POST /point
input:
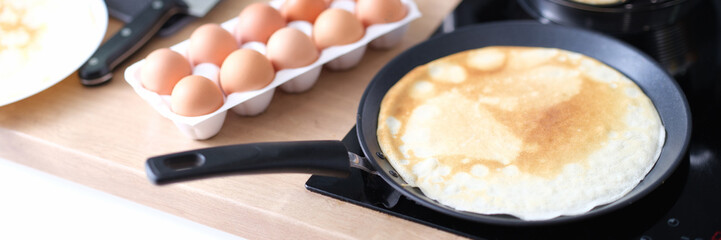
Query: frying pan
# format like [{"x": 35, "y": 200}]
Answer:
[
  {"x": 330, "y": 158},
  {"x": 626, "y": 17}
]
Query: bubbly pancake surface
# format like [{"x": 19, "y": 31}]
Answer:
[{"x": 531, "y": 132}]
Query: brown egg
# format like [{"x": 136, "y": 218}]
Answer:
[
  {"x": 379, "y": 11},
  {"x": 336, "y": 27},
  {"x": 195, "y": 96},
  {"x": 257, "y": 22},
  {"x": 210, "y": 43},
  {"x": 291, "y": 48},
  {"x": 245, "y": 70},
  {"x": 162, "y": 69},
  {"x": 305, "y": 10}
]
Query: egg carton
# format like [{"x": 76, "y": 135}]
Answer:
[{"x": 251, "y": 103}]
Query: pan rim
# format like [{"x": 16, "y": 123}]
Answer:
[{"x": 368, "y": 109}]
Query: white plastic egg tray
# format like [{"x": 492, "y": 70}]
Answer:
[{"x": 379, "y": 36}]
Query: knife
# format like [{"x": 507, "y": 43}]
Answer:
[
  {"x": 99, "y": 67},
  {"x": 127, "y": 10}
]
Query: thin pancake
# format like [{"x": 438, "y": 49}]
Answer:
[{"x": 532, "y": 132}]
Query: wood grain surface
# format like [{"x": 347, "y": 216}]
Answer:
[{"x": 101, "y": 136}]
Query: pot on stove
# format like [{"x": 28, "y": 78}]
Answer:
[{"x": 655, "y": 26}]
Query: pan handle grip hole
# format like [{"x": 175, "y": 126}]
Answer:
[{"x": 185, "y": 161}]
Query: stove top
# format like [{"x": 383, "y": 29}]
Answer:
[{"x": 686, "y": 206}]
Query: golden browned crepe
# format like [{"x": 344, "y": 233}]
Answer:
[{"x": 531, "y": 132}]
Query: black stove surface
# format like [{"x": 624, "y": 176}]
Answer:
[{"x": 686, "y": 206}]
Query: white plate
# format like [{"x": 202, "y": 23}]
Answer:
[{"x": 44, "y": 41}]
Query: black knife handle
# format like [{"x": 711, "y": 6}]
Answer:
[
  {"x": 327, "y": 158},
  {"x": 98, "y": 69}
]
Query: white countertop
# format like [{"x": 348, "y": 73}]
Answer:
[{"x": 37, "y": 205}]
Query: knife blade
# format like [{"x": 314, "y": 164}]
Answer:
[
  {"x": 99, "y": 67},
  {"x": 127, "y": 10}
]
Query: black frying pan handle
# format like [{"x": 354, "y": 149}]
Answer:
[{"x": 327, "y": 158}]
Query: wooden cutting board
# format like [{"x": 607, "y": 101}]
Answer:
[{"x": 101, "y": 136}]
